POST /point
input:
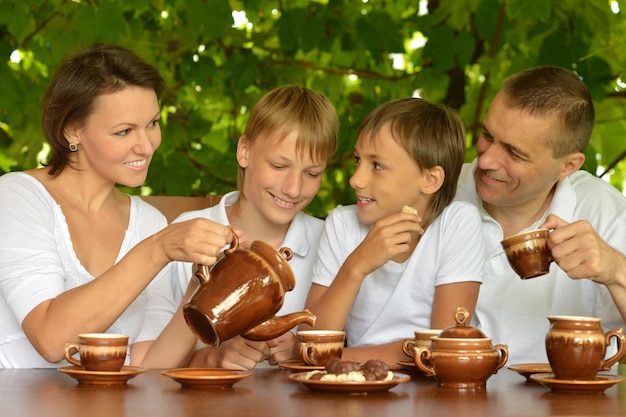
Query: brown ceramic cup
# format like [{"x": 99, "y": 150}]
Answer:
[
  {"x": 102, "y": 352},
  {"x": 528, "y": 253},
  {"x": 422, "y": 339},
  {"x": 576, "y": 347},
  {"x": 318, "y": 347}
]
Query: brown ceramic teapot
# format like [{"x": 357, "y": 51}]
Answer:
[
  {"x": 241, "y": 293},
  {"x": 461, "y": 356}
]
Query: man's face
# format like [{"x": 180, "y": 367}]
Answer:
[{"x": 516, "y": 169}]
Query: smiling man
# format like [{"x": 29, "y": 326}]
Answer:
[{"x": 526, "y": 176}]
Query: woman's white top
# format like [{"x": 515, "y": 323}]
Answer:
[{"x": 38, "y": 263}]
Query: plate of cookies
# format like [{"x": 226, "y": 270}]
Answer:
[{"x": 351, "y": 377}]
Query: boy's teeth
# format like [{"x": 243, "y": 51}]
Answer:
[
  {"x": 137, "y": 163},
  {"x": 283, "y": 202}
]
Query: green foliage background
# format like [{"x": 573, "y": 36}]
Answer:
[{"x": 347, "y": 49}]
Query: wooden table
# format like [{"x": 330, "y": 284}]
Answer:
[{"x": 269, "y": 392}]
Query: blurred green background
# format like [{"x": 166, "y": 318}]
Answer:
[{"x": 219, "y": 57}]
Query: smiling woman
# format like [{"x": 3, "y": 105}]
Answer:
[
  {"x": 117, "y": 139},
  {"x": 78, "y": 255}
]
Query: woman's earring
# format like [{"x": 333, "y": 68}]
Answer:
[{"x": 73, "y": 146}]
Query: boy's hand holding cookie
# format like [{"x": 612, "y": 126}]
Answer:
[{"x": 389, "y": 238}]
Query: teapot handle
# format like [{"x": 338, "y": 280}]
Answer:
[
  {"x": 202, "y": 272},
  {"x": 234, "y": 244}
]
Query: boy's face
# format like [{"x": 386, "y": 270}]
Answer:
[
  {"x": 386, "y": 177},
  {"x": 279, "y": 181}
]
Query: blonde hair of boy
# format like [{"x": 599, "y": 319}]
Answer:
[{"x": 289, "y": 108}]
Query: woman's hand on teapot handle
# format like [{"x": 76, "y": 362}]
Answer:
[{"x": 198, "y": 240}]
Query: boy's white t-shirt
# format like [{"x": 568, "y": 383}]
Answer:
[{"x": 396, "y": 299}]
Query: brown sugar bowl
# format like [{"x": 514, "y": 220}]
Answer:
[{"x": 461, "y": 356}]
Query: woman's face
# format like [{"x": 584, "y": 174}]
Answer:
[{"x": 120, "y": 136}]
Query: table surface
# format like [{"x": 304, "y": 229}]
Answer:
[{"x": 270, "y": 392}]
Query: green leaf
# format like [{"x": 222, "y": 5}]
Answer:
[
  {"x": 440, "y": 48},
  {"x": 562, "y": 49},
  {"x": 289, "y": 26},
  {"x": 103, "y": 24},
  {"x": 18, "y": 20},
  {"x": 379, "y": 31},
  {"x": 597, "y": 74},
  {"x": 210, "y": 18},
  {"x": 531, "y": 10}
]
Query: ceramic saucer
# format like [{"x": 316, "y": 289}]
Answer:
[
  {"x": 349, "y": 387},
  {"x": 527, "y": 369},
  {"x": 296, "y": 365},
  {"x": 595, "y": 386},
  {"x": 407, "y": 364},
  {"x": 102, "y": 378},
  {"x": 206, "y": 377},
  {"x": 412, "y": 368}
]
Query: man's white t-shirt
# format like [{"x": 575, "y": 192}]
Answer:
[{"x": 515, "y": 312}]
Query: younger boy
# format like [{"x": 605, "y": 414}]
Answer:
[{"x": 382, "y": 271}]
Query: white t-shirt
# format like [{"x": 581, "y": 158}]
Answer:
[
  {"x": 38, "y": 262},
  {"x": 513, "y": 311},
  {"x": 302, "y": 238},
  {"x": 396, "y": 299}
]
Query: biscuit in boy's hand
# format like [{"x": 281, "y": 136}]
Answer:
[{"x": 409, "y": 209}]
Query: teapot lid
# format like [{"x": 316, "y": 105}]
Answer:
[{"x": 461, "y": 329}]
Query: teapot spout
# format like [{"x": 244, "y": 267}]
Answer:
[{"x": 277, "y": 326}]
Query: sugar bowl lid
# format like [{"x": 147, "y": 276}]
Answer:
[{"x": 461, "y": 330}]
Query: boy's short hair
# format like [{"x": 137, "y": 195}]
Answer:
[
  {"x": 433, "y": 135},
  {"x": 289, "y": 108}
]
